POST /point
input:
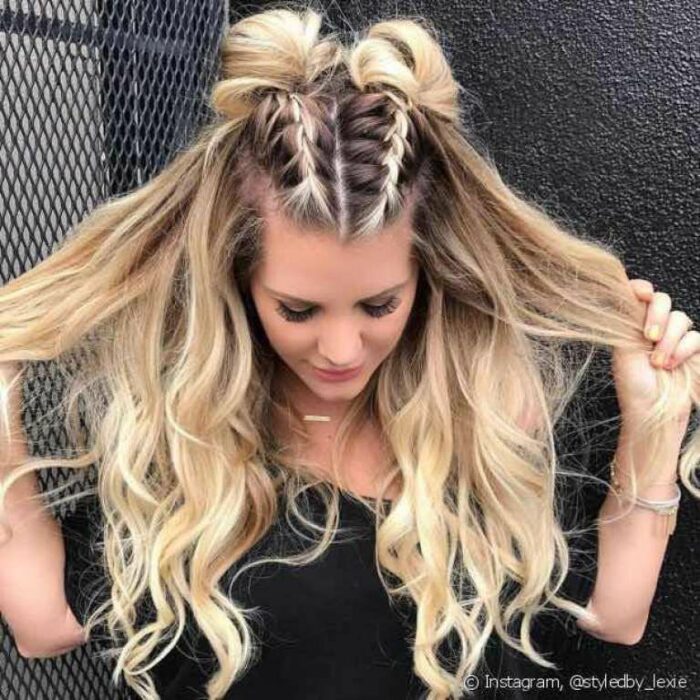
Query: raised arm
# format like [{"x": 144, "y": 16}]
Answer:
[
  {"x": 32, "y": 595},
  {"x": 631, "y": 548}
]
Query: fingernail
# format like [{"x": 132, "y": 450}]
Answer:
[
  {"x": 653, "y": 332},
  {"x": 669, "y": 363},
  {"x": 658, "y": 357}
]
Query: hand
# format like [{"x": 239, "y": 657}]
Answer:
[{"x": 635, "y": 371}]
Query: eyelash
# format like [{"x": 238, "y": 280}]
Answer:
[{"x": 374, "y": 311}]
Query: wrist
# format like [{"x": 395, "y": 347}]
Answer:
[
  {"x": 660, "y": 491},
  {"x": 670, "y": 432},
  {"x": 658, "y": 450},
  {"x": 660, "y": 504},
  {"x": 657, "y": 486}
]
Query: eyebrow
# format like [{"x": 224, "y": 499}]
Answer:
[{"x": 297, "y": 300}]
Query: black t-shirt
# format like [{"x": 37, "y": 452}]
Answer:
[{"x": 328, "y": 629}]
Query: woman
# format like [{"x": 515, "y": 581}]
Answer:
[{"x": 336, "y": 217}]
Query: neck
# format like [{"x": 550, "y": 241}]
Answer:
[
  {"x": 287, "y": 384},
  {"x": 322, "y": 433}
]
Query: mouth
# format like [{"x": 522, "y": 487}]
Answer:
[{"x": 331, "y": 375}]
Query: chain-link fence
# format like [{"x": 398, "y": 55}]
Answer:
[{"x": 94, "y": 99}]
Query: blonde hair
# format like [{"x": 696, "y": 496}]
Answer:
[{"x": 150, "y": 295}]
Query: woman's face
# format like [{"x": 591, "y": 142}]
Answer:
[{"x": 331, "y": 306}]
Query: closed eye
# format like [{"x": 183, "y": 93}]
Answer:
[{"x": 376, "y": 311}]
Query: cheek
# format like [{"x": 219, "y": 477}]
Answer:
[
  {"x": 284, "y": 337},
  {"x": 387, "y": 335}
]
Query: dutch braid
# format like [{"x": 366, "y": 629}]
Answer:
[{"x": 397, "y": 138}]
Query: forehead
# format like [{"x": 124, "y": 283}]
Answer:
[{"x": 307, "y": 262}]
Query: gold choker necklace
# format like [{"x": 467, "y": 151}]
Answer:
[{"x": 321, "y": 419}]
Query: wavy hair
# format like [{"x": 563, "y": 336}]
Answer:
[{"x": 150, "y": 294}]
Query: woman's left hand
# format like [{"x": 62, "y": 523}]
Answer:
[{"x": 635, "y": 371}]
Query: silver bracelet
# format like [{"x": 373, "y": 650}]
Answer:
[
  {"x": 667, "y": 508},
  {"x": 660, "y": 505}
]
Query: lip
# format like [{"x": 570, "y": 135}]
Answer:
[{"x": 331, "y": 376}]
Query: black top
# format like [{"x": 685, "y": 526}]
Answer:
[{"x": 327, "y": 629}]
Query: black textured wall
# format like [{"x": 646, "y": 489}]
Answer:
[{"x": 593, "y": 108}]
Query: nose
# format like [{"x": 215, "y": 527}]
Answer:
[{"x": 341, "y": 346}]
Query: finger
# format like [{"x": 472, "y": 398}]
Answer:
[
  {"x": 657, "y": 316},
  {"x": 642, "y": 288},
  {"x": 688, "y": 345},
  {"x": 677, "y": 326}
]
